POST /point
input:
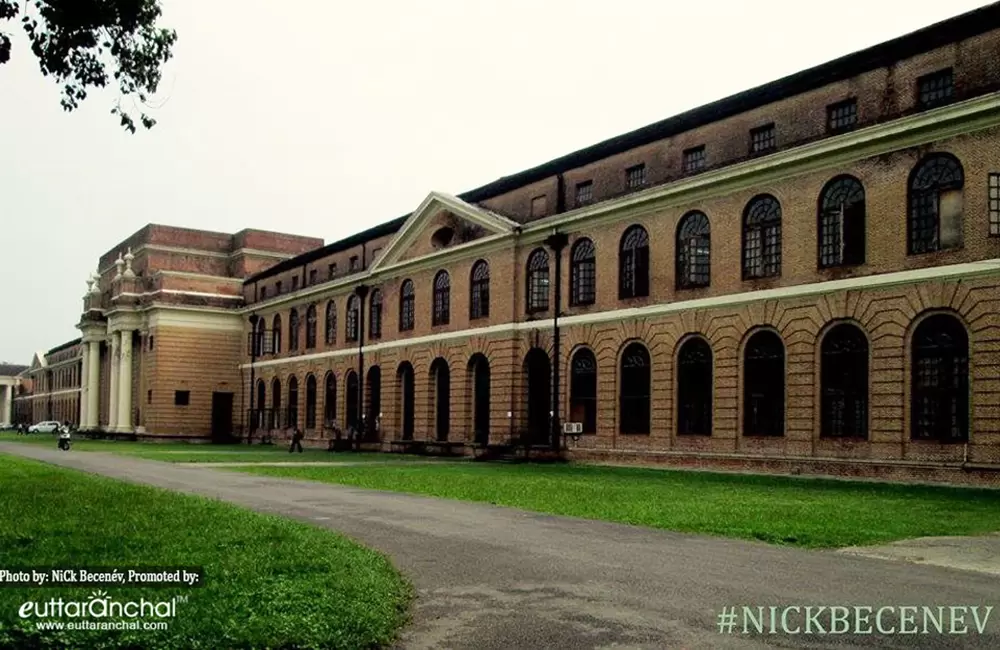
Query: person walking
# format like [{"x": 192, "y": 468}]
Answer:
[{"x": 296, "y": 441}]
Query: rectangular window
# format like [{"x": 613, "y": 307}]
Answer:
[
  {"x": 842, "y": 116},
  {"x": 539, "y": 206},
  {"x": 149, "y": 397},
  {"x": 331, "y": 271},
  {"x": 263, "y": 293},
  {"x": 995, "y": 205},
  {"x": 312, "y": 276},
  {"x": 353, "y": 264},
  {"x": 635, "y": 176},
  {"x": 694, "y": 159},
  {"x": 762, "y": 139},
  {"x": 375, "y": 253},
  {"x": 182, "y": 397},
  {"x": 584, "y": 192},
  {"x": 277, "y": 287},
  {"x": 935, "y": 88},
  {"x": 295, "y": 282}
]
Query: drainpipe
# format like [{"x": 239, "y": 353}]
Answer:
[
  {"x": 513, "y": 349},
  {"x": 560, "y": 194},
  {"x": 557, "y": 242}
]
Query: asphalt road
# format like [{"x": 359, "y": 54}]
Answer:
[{"x": 492, "y": 577}]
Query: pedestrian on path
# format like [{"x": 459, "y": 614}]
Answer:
[{"x": 296, "y": 441}]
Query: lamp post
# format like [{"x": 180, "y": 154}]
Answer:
[
  {"x": 254, "y": 319},
  {"x": 361, "y": 291},
  {"x": 557, "y": 242}
]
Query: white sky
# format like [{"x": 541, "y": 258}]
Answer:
[{"x": 325, "y": 118}]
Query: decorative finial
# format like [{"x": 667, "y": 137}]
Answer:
[
  {"x": 119, "y": 263},
  {"x": 129, "y": 273},
  {"x": 90, "y": 285},
  {"x": 96, "y": 279}
]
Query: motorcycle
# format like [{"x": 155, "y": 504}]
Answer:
[{"x": 64, "y": 440}]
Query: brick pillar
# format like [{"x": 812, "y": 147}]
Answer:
[{"x": 113, "y": 381}]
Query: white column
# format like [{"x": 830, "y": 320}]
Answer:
[
  {"x": 9, "y": 406},
  {"x": 85, "y": 386},
  {"x": 94, "y": 384},
  {"x": 113, "y": 392},
  {"x": 125, "y": 383}
]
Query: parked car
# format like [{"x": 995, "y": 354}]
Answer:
[{"x": 49, "y": 426}]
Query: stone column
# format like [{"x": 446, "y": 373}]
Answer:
[
  {"x": 85, "y": 386},
  {"x": 113, "y": 380},
  {"x": 8, "y": 416},
  {"x": 125, "y": 383},
  {"x": 94, "y": 384}
]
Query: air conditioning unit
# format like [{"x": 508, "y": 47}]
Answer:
[{"x": 572, "y": 428}]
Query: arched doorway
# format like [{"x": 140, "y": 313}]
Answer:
[
  {"x": 260, "y": 408},
  {"x": 479, "y": 368},
  {"x": 374, "y": 419},
  {"x": 352, "y": 401},
  {"x": 539, "y": 372},
  {"x": 583, "y": 390},
  {"x": 405, "y": 376},
  {"x": 441, "y": 398},
  {"x": 274, "y": 421}
]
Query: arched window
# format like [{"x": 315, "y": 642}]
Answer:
[
  {"x": 276, "y": 333},
  {"x": 634, "y": 410},
  {"x": 259, "y": 420},
  {"x": 406, "y": 306},
  {"x": 276, "y": 417},
  {"x": 841, "y": 224},
  {"x": 293, "y": 402},
  {"x": 844, "y": 382},
  {"x": 479, "y": 291},
  {"x": 538, "y": 280},
  {"x": 330, "y": 401},
  {"x": 582, "y": 273},
  {"x": 405, "y": 376},
  {"x": 311, "y": 327},
  {"x": 764, "y": 385},
  {"x": 940, "y": 389},
  {"x": 353, "y": 309},
  {"x": 583, "y": 390},
  {"x": 310, "y": 402},
  {"x": 479, "y": 371},
  {"x": 374, "y": 398},
  {"x": 293, "y": 330},
  {"x": 935, "y": 204},
  {"x": 762, "y": 238},
  {"x": 331, "y": 323},
  {"x": 353, "y": 421},
  {"x": 633, "y": 263},
  {"x": 442, "y": 299},
  {"x": 441, "y": 398},
  {"x": 375, "y": 314},
  {"x": 694, "y": 251},
  {"x": 258, "y": 337},
  {"x": 694, "y": 388}
]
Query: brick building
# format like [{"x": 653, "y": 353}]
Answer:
[
  {"x": 162, "y": 338},
  {"x": 800, "y": 277}
]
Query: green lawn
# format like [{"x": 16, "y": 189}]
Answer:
[
  {"x": 270, "y": 582},
  {"x": 781, "y": 510},
  {"x": 185, "y": 452}
]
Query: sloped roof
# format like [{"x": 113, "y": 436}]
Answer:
[{"x": 11, "y": 369}]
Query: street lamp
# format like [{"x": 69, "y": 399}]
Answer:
[
  {"x": 557, "y": 242},
  {"x": 254, "y": 319},
  {"x": 361, "y": 291}
]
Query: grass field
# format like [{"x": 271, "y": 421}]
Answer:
[
  {"x": 183, "y": 452},
  {"x": 270, "y": 582},
  {"x": 781, "y": 510}
]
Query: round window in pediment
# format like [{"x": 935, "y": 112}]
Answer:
[{"x": 443, "y": 236}]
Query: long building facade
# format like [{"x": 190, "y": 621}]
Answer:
[{"x": 804, "y": 277}]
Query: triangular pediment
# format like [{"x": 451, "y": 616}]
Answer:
[
  {"x": 38, "y": 361},
  {"x": 442, "y": 221}
]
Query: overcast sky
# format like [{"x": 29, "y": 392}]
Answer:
[{"x": 325, "y": 118}]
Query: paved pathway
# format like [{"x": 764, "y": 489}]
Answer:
[{"x": 492, "y": 578}]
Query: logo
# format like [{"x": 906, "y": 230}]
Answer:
[{"x": 101, "y": 606}]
